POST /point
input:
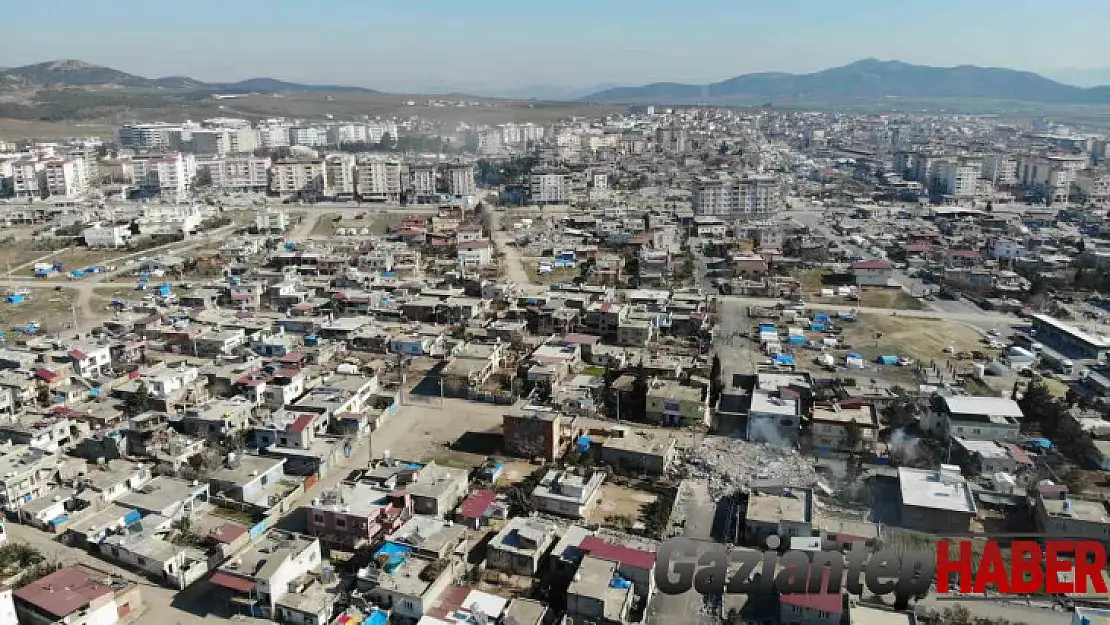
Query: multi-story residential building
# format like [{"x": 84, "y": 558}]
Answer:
[
  {"x": 340, "y": 175},
  {"x": 273, "y": 134},
  {"x": 65, "y": 177},
  {"x": 737, "y": 197},
  {"x": 1094, "y": 186},
  {"x": 422, "y": 182},
  {"x": 264, "y": 574},
  {"x": 243, "y": 141},
  {"x": 566, "y": 494},
  {"x": 1000, "y": 169},
  {"x": 459, "y": 179},
  {"x": 111, "y": 235},
  {"x": 271, "y": 220},
  {"x": 550, "y": 187},
  {"x": 299, "y": 177},
  {"x": 345, "y": 134},
  {"x": 169, "y": 219},
  {"x": 1051, "y": 175},
  {"x": 380, "y": 180},
  {"x": 151, "y": 137},
  {"x": 309, "y": 136},
  {"x": 168, "y": 174},
  {"x": 959, "y": 177},
  {"x": 211, "y": 142},
  {"x": 28, "y": 178},
  {"x": 241, "y": 174}
]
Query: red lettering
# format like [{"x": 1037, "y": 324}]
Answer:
[
  {"x": 1090, "y": 560},
  {"x": 1026, "y": 573},
  {"x": 991, "y": 570},
  {"x": 960, "y": 566},
  {"x": 1054, "y": 565}
]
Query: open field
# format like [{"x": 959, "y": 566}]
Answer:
[
  {"x": 378, "y": 224},
  {"x": 49, "y": 308},
  {"x": 922, "y": 340},
  {"x": 531, "y": 267},
  {"x": 620, "y": 506},
  {"x": 17, "y": 129}
]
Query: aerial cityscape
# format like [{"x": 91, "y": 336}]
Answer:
[{"x": 311, "y": 351}]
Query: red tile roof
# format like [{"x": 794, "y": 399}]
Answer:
[
  {"x": 77, "y": 354},
  {"x": 476, "y": 504},
  {"x": 301, "y": 423},
  {"x": 232, "y": 582},
  {"x": 63, "y": 592},
  {"x": 47, "y": 375},
  {"x": 635, "y": 558}
]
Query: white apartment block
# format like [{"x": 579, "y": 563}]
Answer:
[
  {"x": 230, "y": 123},
  {"x": 308, "y": 136},
  {"x": 348, "y": 133},
  {"x": 65, "y": 177},
  {"x": 960, "y": 177},
  {"x": 1053, "y": 175},
  {"x": 460, "y": 179},
  {"x": 550, "y": 188},
  {"x": 242, "y": 174},
  {"x": 169, "y": 219},
  {"x": 151, "y": 137},
  {"x": 737, "y": 197},
  {"x": 292, "y": 177},
  {"x": 380, "y": 180},
  {"x": 112, "y": 235},
  {"x": 168, "y": 174},
  {"x": 376, "y": 131},
  {"x": 422, "y": 180},
  {"x": 273, "y": 135},
  {"x": 490, "y": 141},
  {"x": 28, "y": 178},
  {"x": 271, "y": 220},
  {"x": 340, "y": 175},
  {"x": 243, "y": 141}
]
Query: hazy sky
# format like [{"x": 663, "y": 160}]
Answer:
[{"x": 427, "y": 44}]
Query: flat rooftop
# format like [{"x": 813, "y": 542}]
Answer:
[
  {"x": 1078, "y": 509},
  {"x": 934, "y": 489},
  {"x": 767, "y": 508},
  {"x": 989, "y": 406},
  {"x": 763, "y": 402},
  {"x": 862, "y": 415},
  {"x": 160, "y": 493},
  {"x": 355, "y": 498}
]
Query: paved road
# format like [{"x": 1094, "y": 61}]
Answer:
[{"x": 699, "y": 511}]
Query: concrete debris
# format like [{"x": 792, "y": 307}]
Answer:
[{"x": 730, "y": 464}]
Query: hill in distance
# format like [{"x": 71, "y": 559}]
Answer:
[
  {"x": 74, "y": 73},
  {"x": 867, "y": 80}
]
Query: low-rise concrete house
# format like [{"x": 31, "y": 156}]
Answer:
[
  {"x": 937, "y": 501},
  {"x": 873, "y": 272},
  {"x": 975, "y": 418},
  {"x": 249, "y": 479},
  {"x": 145, "y": 550},
  {"x": 831, "y": 426},
  {"x": 1057, "y": 512},
  {"x": 520, "y": 546},
  {"x": 218, "y": 418},
  {"x": 670, "y": 403},
  {"x": 405, "y": 583},
  {"x": 275, "y": 566},
  {"x": 78, "y": 596},
  {"x": 637, "y": 451},
  {"x": 353, "y": 514},
  {"x": 593, "y": 598},
  {"x": 567, "y": 494},
  {"x": 168, "y": 497},
  {"x": 790, "y": 514},
  {"x": 25, "y": 473},
  {"x": 533, "y": 432},
  {"x": 429, "y": 537}
]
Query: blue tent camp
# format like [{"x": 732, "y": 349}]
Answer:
[
  {"x": 784, "y": 359},
  {"x": 767, "y": 327},
  {"x": 821, "y": 317},
  {"x": 887, "y": 360},
  {"x": 816, "y": 327},
  {"x": 796, "y": 340}
]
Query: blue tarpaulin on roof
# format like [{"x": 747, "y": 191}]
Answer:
[
  {"x": 583, "y": 443},
  {"x": 132, "y": 517},
  {"x": 59, "y": 520},
  {"x": 377, "y": 617}
]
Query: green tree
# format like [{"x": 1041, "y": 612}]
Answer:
[
  {"x": 139, "y": 401},
  {"x": 853, "y": 436}
]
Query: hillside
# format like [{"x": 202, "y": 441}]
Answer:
[
  {"x": 74, "y": 73},
  {"x": 867, "y": 80}
]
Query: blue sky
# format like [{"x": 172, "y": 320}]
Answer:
[{"x": 489, "y": 44}]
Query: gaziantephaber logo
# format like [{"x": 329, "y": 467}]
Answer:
[{"x": 1052, "y": 565}]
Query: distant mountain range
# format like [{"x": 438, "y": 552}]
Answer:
[
  {"x": 73, "y": 73},
  {"x": 869, "y": 80}
]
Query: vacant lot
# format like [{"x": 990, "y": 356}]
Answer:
[
  {"x": 17, "y": 129},
  {"x": 531, "y": 267},
  {"x": 920, "y": 339},
  {"x": 620, "y": 507},
  {"x": 49, "y": 308}
]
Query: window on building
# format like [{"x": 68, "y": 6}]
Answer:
[
  {"x": 142, "y": 561},
  {"x": 317, "y": 517},
  {"x": 341, "y": 522}
]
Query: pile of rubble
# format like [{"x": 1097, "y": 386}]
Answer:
[{"x": 730, "y": 464}]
